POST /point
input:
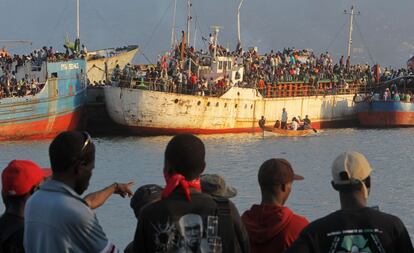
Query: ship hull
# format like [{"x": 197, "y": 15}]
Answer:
[
  {"x": 385, "y": 114},
  {"x": 57, "y": 107},
  {"x": 237, "y": 111},
  {"x": 36, "y": 129},
  {"x": 100, "y": 67}
]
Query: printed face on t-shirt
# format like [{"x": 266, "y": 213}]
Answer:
[{"x": 191, "y": 226}]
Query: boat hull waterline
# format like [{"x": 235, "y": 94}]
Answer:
[
  {"x": 289, "y": 133},
  {"x": 385, "y": 114}
]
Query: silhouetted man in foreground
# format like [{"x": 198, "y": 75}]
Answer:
[
  {"x": 272, "y": 226},
  {"x": 355, "y": 227},
  {"x": 57, "y": 218},
  {"x": 164, "y": 225}
]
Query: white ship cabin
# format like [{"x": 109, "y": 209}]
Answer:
[{"x": 222, "y": 67}]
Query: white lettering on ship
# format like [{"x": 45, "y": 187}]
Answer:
[{"x": 69, "y": 66}]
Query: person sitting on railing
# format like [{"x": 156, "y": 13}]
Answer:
[
  {"x": 407, "y": 97},
  {"x": 33, "y": 87},
  {"x": 386, "y": 94},
  {"x": 397, "y": 96}
]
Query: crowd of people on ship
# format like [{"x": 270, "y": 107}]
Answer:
[
  {"x": 11, "y": 87},
  {"x": 46, "y": 209},
  {"x": 176, "y": 81},
  {"x": 289, "y": 65},
  {"x": 394, "y": 85},
  {"x": 12, "y": 65}
]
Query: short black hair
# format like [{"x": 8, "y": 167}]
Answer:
[
  {"x": 185, "y": 154},
  {"x": 357, "y": 186},
  {"x": 65, "y": 151}
]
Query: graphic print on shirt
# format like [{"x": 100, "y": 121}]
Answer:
[
  {"x": 188, "y": 235},
  {"x": 356, "y": 241}
]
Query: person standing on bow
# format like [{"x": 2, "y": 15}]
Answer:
[{"x": 284, "y": 119}]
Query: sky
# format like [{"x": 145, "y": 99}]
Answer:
[{"x": 383, "y": 31}]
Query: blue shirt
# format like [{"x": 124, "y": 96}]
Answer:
[{"x": 57, "y": 219}]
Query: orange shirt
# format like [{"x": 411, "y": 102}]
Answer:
[{"x": 261, "y": 84}]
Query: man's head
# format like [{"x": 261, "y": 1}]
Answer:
[
  {"x": 72, "y": 157},
  {"x": 144, "y": 196},
  {"x": 191, "y": 229},
  {"x": 20, "y": 179},
  {"x": 215, "y": 185},
  {"x": 275, "y": 179},
  {"x": 351, "y": 173},
  {"x": 185, "y": 154}
]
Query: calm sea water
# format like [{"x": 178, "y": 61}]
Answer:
[{"x": 238, "y": 158}]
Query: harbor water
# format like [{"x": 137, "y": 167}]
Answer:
[{"x": 237, "y": 158}]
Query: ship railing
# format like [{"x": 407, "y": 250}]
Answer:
[
  {"x": 172, "y": 87},
  {"x": 285, "y": 89},
  {"x": 300, "y": 89}
]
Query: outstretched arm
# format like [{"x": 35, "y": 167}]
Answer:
[{"x": 98, "y": 198}]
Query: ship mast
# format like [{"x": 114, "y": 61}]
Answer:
[
  {"x": 189, "y": 4},
  {"x": 238, "y": 24},
  {"x": 77, "y": 21},
  {"x": 216, "y": 31},
  {"x": 173, "y": 26},
  {"x": 351, "y": 14}
]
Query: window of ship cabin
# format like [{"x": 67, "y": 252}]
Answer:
[
  {"x": 229, "y": 64},
  {"x": 54, "y": 75},
  {"x": 220, "y": 65},
  {"x": 224, "y": 65}
]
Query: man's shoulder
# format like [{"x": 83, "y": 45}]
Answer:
[
  {"x": 57, "y": 207},
  {"x": 365, "y": 215},
  {"x": 179, "y": 200},
  {"x": 11, "y": 232},
  {"x": 300, "y": 220}
]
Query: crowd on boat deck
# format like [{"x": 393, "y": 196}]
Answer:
[
  {"x": 11, "y": 65},
  {"x": 286, "y": 66},
  {"x": 396, "y": 85},
  {"x": 45, "y": 211},
  {"x": 291, "y": 65}
]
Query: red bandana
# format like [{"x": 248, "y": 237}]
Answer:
[{"x": 177, "y": 179}]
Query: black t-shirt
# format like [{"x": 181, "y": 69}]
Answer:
[
  {"x": 177, "y": 225},
  {"x": 363, "y": 230},
  {"x": 11, "y": 233}
]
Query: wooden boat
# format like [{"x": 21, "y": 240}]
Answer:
[{"x": 288, "y": 132}]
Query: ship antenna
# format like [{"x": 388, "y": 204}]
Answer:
[
  {"x": 238, "y": 24},
  {"x": 351, "y": 14}
]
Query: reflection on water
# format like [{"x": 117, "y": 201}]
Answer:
[{"x": 238, "y": 158}]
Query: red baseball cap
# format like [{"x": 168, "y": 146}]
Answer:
[
  {"x": 277, "y": 171},
  {"x": 20, "y": 176}
]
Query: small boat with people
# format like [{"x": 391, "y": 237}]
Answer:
[{"x": 289, "y": 132}]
